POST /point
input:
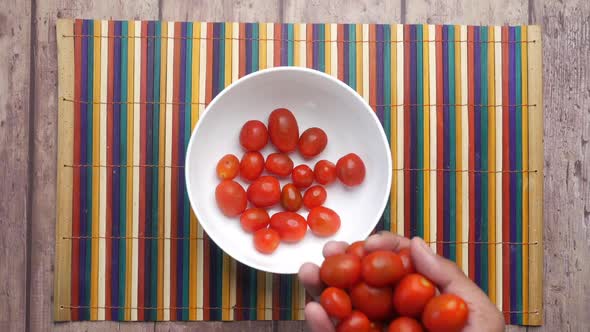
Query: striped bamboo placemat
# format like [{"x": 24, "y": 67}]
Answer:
[{"x": 461, "y": 106}]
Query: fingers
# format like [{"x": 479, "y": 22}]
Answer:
[
  {"x": 334, "y": 248},
  {"x": 317, "y": 318},
  {"x": 309, "y": 275},
  {"x": 386, "y": 241}
]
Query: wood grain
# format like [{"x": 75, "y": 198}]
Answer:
[
  {"x": 566, "y": 46},
  {"x": 484, "y": 12},
  {"x": 44, "y": 150},
  {"x": 342, "y": 11},
  {"x": 14, "y": 161}
]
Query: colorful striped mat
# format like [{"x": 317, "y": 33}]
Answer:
[{"x": 461, "y": 106}]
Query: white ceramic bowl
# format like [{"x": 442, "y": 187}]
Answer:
[{"x": 317, "y": 100}]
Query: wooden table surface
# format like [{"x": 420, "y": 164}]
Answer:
[{"x": 28, "y": 116}]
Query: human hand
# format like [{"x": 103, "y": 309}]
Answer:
[{"x": 446, "y": 275}]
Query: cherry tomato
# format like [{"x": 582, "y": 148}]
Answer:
[
  {"x": 264, "y": 192},
  {"x": 252, "y": 165},
  {"x": 302, "y": 176},
  {"x": 228, "y": 167},
  {"x": 324, "y": 172},
  {"x": 445, "y": 313},
  {"x": 405, "y": 324},
  {"x": 283, "y": 129},
  {"x": 323, "y": 221},
  {"x": 312, "y": 142},
  {"x": 314, "y": 196},
  {"x": 376, "y": 327},
  {"x": 404, "y": 254},
  {"x": 254, "y": 219},
  {"x": 351, "y": 170},
  {"x": 382, "y": 268},
  {"x": 230, "y": 197},
  {"x": 411, "y": 295},
  {"x": 357, "y": 248},
  {"x": 290, "y": 226},
  {"x": 356, "y": 322},
  {"x": 291, "y": 198},
  {"x": 279, "y": 164},
  {"x": 266, "y": 240},
  {"x": 253, "y": 136},
  {"x": 336, "y": 302},
  {"x": 375, "y": 302},
  {"x": 342, "y": 270}
]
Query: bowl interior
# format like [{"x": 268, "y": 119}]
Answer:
[{"x": 317, "y": 100}]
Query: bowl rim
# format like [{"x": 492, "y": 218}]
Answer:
[{"x": 215, "y": 100}]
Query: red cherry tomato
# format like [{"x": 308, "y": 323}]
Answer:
[
  {"x": 336, "y": 302},
  {"x": 357, "y": 248},
  {"x": 252, "y": 165},
  {"x": 228, "y": 167},
  {"x": 351, "y": 170},
  {"x": 341, "y": 270},
  {"x": 356, "y": 322},
  {"x": 302, "y": 176},
  {"x": 405, "y": 324},
  {"x": 291, "y": 198},
  {"x": 382, "y": 268},
  {"x": 323, "y": 221},
  {"x": 411, "y": 295},
  {"x": 230, "y": 198},
  {"x": 279, "y": 164},
  {"x": 312, "y": 142},
  {"x": 375, "y": 302},
  {"x": 314, "y": 196},
  {"x": 264, "y": 192},
  {"x": 253, "y": 136},
  {"x": 266, "y": 240},
  {"x": 324, "y": 172},
  {"x": 376, "y": 327},
  {"x": 283, "y": 129},
  {"x": 445, "y": 313},
  {"x": 404, "y": 254},
  {"x": 290, "y": 226},
  {"x": 254, "y": 219}
]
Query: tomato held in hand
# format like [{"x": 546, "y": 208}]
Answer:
[
  {"x": 351, "y": 170},
  {"x": 357, "y": 248},
  {"x": 382, "y": 268},
  {"x": 405, "y": 324},
  {"x": 253, "y": 136},
  {"x": 342, "y": 271},
  {"x": 312, "y": 142},
  {"x": 323, "y": 221},
  {"x": 228, "y": 167},
  {"x": 231, "y": 198},
  {"x": 266, "y": 240},
  {"x": 404, "y": 254},
  {"x": 283, "y": 129},
  {"x": 445, "y": 313},
  {"x": 252, "y": 165},
  {"x": 290, "y": 226},
  {"x": 254, "y": 219},
  {"x": 264, "y": 192},
  {"x": 291, "y": 198},
  {"x": 324, "y": 172},
  {"x": 411, "y": 295},
  {"x": 375, "y": 302},
  {"x": 314, "y": 196},
  {"x": 336, "y": 302},
  {"x": 356, "y": 322},
  {"x": 279, "y": 164},
  {"x": 302, "y": 176}
]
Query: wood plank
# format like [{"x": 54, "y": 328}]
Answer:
[
  {"x": 15, "y": 63},
  {"x": 485, "y": 12},
  {"x": 342, "y": 11},
  {"x": 44, "y": 152},
  {"x": 566, "y": 64},
  {"x": 245, "y": 326}
]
